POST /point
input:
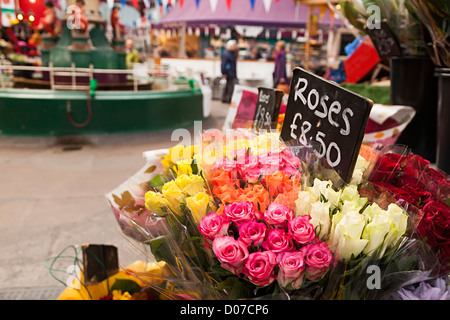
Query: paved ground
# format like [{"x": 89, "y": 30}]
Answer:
[{"x": 52, "y": 196}]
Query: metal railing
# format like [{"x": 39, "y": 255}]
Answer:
[{"x": 73, "y": 73}]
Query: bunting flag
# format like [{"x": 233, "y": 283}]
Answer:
[
  {"x": 146, "y": 3},
  {"x": 267, "y": 4},
  {"x": 197, "y": 3},
  {"x": 181, "y": 3},
  {"x": 124, "y": 2},
  {"x": 110, "y": 3},
  {"x": 229, "y": 4},
  {"x": 252, "y": 3},
  {"x": 135, "y": 3},
  {"x": 213, "y": 4}
]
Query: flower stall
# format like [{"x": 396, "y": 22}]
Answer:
[{"x": 246, "y": 214}]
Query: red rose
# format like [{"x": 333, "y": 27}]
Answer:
[
  {"x": 410, "y": 176},
  {"x": 416, "y": 162},
  {"x": 419, "y": 196},
  {"x": 387, "y": 167},
  {"x": 435, "y": 226}
]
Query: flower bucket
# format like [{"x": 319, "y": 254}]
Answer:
[
  {"x": 443, "y": 125},
  {"x": 413, "y": 84}
]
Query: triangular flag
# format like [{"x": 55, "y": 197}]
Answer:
[
  {"x": 267, "y": 4},
  {"x": 110, "y": 3},
  {"x": 181, "y": 3},
  {"x": 197, "y": 3},
  {"x": 213, "y": 4},
  {"x": 229, "y": 4},
  {"x": 252, "y": 3},
  {"x": 135, "y": 3},
  {"x": 124, "y": 2}
]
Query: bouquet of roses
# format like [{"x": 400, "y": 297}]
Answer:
[{"x": 426, "y": 190}]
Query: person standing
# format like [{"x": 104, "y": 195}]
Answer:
[
  {"x": 228, "y": 68},
  {"x": 279, "y": 73}
]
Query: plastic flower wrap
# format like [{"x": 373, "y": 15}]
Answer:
[
  {"x": 243, "y": 215},
  {"x": 427, "y": 289}
]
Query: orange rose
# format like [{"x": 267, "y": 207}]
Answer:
[
  {"x": 275, "y": 183},
  {"x": 220, "y": 177},
  {"x": 226, "y": 193}
]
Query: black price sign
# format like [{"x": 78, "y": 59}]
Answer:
[
  {"x": 267, "y": 108},
  {"x": 326, "y": 114},
  {"x": 385, "y": 41}
]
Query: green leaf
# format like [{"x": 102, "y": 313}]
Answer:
[
  {"x": 239, "y": 291},
  {"x": 227, "y": 284},
  {"x": 161, "y": 249},
  {"x": 194, "y": 166},
  {"x": 126, "y": 285},
  {"x": 156, "y": 182}
]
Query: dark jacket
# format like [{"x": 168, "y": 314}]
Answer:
[
  {"x": 280, "y": 67},
  {"x": 228, "y": 66}
]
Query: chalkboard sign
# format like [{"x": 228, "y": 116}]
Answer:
[
  {"x": 385, "y": 41},
  {"x": 99, "y": 262},
  {"x": 267, "y": 108},
  {"x": 323, "y": 113}
]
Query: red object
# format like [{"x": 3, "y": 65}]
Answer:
[
  {"x": 181, "y": 3},
  {"x": 135, "y": 3},
  {"x": 229, "y": 4},
  {"x": 37, "y": 8},
  {"x": 361, "y": 62}
]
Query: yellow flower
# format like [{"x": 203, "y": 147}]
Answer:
[
  {"x": 118, "y": 295},
  {"x": 173, "y": 194},
  {"x": 190, "y": 185},
  {"x": 157, "y": 204},
  {"x": 198, "y": 205},
  {"x": 184, "y": 166}
]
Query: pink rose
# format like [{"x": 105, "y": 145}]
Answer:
[
  {"x": 259, "y": 267},
  {"x": 278, "y": 241},
  {"x": 252, "y": 175},
  {"x": 292, "y": 268},
  {"x": 289, "y": 159},
  {"x": 270, "y": 162},
  {"x": 301, "y": 230},
  {"x": 231, "y": 253},
  {"x": 225, "y": 164},
  {"x": 277, "y": 214},
  {"x": 240, "y": 212},
  {"x": 252, "y": 231},
  {"x": 290, "y": 171},
  {"x": 246, "y": 162},
  {"x": 214, "y": 225},
  {"x": 318, "y": 258}
]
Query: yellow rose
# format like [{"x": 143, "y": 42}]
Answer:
[
  {"x": 199, "y": 161},
  {"x": 184, "y": 167},
  {"x": 198, "y": 205},
  {"x": 157, "y": 204},
  {"x": 173, "y": 194},
  {"x": 190, "y": 185}
]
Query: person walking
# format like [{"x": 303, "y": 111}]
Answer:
[
  {"x": 279, "y": 73},
  {"x": 228, "y": 69}
]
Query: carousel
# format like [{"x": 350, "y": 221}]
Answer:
[{"x": 84, "y": 85}]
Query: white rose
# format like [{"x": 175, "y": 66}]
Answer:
[
  {"x": 320, "y": 218},
  {"x": 399, "y": 223},
  {"x": 376, "y": 232},
  {"x": 303, "y": 203},
  {"x": 347, "y": 235}
]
